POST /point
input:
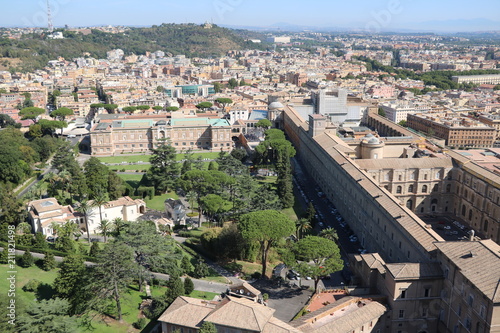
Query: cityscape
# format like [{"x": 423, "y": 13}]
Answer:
[{"x": 239, "y": 174}]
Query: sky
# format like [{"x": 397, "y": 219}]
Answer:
[{"x": 371, "y": 15}]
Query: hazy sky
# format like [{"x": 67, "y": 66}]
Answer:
[{"x": 367, "y": 14}]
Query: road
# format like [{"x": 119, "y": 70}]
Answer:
[
  {"x": 306, "y": 191},
  {"x": 200, "y": 285}
]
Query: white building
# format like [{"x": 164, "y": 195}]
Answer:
[
  {"x": 235, "y": 115},
  {"x": 334, "y": 106},
  {"x": 42, "y": 213},
  {"x": 124, "y": 208},
  {"x": 397, "y": 111}
]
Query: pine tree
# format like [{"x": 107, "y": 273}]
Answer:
[
  {"x": 94, "y": 249},
  {"x": 175, "y": 289},
  {"x": 188, "y": 286},
  {"x": 4, "y": 255},
  {"x": 186, "y": 265},
  {"x": 27, "y": 259},
  {"x": 48, "y": 262},
  {"x": 208, "y": 327}
]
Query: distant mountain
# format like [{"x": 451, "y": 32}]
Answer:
[{"x": 459, "y": 25}]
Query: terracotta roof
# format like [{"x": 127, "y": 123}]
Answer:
[
  {"x": 478, "y": 262},
  {"x": 242, "y": 313},
  {"x": 414, "y": 270},
  {"x": 187, "y": 311},
  {"x": 45, "y": 205},
  {"x": 248, "y": 287}
]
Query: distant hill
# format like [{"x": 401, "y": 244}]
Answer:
[{"x": 190, "y": 39}]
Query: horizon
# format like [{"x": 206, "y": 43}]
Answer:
[{"x": 371, "y": 16}]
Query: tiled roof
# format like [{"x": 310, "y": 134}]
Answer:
[
  {"x": 414, "y": 270},
  {"x": 478, "y": 262},
  {"x": 404, "y": 163},
  {"x": 187, "y": 311}
]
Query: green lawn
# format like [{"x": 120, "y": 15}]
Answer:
[
  {"x": 294, "y": 212},
  {"x": 145, "y": 158},
  {"x": 158, "y": 202},
  {"x": 131, "y": 167},
  {"x": 22, "y": 277},
  {"x": 203, "y": 295}
]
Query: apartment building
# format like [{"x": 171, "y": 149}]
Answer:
[
  {"x": 477, "y": 79},
  {"x": 455, "y": 130}
]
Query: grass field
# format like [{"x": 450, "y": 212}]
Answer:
[
  {"x": 130, "y": 167},
  {"x": 158, "y": 202},
  {"x": 145, "y": 158}
]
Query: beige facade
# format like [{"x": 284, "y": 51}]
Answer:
[
  {"x": 141, "y": 135},
  {"x": 457, "y": 131},
  {"x": 409, "y": 263}
]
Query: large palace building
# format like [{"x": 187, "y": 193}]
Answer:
[
  {"x": 117, "y": 134},
  {"x": 385, "y": 183}
]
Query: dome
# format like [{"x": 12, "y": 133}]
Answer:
[
  {"x": 276, "y": 106},
  {"x": 374, "y": 141},
  {"x": 369, "y": 136}
]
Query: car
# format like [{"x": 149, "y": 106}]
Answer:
[
  {"x": 320, "y": 224},
  {"x": 71, "y": 136},
  {"x": 308, "y": 278},
  {"x": 447, "y": 227}
]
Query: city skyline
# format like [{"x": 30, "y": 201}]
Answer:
[{"x": 372, "y": 16}]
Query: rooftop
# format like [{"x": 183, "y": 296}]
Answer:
[{"x": 475, "y": 261}]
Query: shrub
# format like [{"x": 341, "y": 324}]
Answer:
[
  {"x": 140, "y": 323},
  {"x": 32, "y": 285},
  {"x": 256, "y": 275},
  {"x": 27, "y": 260}
]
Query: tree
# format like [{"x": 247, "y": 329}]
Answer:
[
  {"x": 100, "y": 200},
  {"x": 172, "y": 108},
  {"x": 217, "y": 87},
  {"x": 204, "y": 105},
  {"x": 105, "y": 227},
  {"x": 4, "y": 255},
  {"x": 27, "y": 259},
  {"x": 160, "y": 89},
  {"x": 213, "y": 166},
  {"x": 31, "y": 113},
  {"x": 208, "y": 327},
  {"x": 175, "y": 289},
  {"x": 264, "y": 123},
  {"x": 232, "y": 83},
  {"x": 239, "y": 154},
  {"x": 48, "y": 262},
  {"x": 164, "y": 168},
  {"x": 157, "y": 108},
  {"x": 110, "y": 107},
  {"x": 113, "y": 273},
  {"x": 265, "y": 227},
  {"x": 86, "y": 208},
  {"x": 310, "y": 212},
  {"x": 315, "y": 257},
  {"x": 212, "y": 204},
  {"x": 50, "y": 126},
  {"x": 129, "y": 109},
  {"x": 403, "y": 123},
  {"x": 186, "y": 266},
  {"x": 201, "y": 270},
  {"x": 143, "y": 107},
  {"x": 381, "y": 112},
  {"x": 329, "y": 233},
  {"x": 188, "y": 286},
  {"x": 303, "y": 225},
  {"x": 61, "y": 114},
  {"x": 48, "y": 316},
  {"x": 6, "y": 121},
  {"x": 70, "y": 277},
  {"x": 94, "y": 250},
  {"x": 96, "y": 175},
  {"x": 224, "y": 102}
]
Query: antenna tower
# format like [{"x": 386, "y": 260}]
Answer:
[{"x": 49, "y": 18}]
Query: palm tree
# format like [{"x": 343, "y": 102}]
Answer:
[
  {"x": 85, "y": 209},
  {"x": 99, "y": 201},
  {"x": 329, "y": 233},
  {"x": 23, "y": 228},
  {"x": 118, "y": 225},
  {"x": 302, "y": 226},
  {"x": 105, "y": 227}
]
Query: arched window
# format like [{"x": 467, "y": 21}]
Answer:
[
  {"x": 435, "y": 188},
  {"x": 448, "y": 188},
  {"x": 485, "y": 226},
  {"x": 424, "y": 189},
  {"x": 409, "y": 204},
  {"x": 410, "y": 188},
  {"x": 434, "y": 202},
  {"x": 463, "y": 210},
  {"x": 470, "y": 214},
  {"x": 399, "y": 189}
]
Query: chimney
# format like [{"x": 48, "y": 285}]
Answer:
[{"x": 471, "y": 235}]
